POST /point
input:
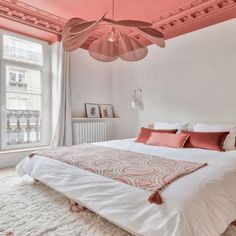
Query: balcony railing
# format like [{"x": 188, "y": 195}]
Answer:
[{"x": 23, "y": 126}]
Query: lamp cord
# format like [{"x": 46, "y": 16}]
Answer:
[{"x": 113, "y": 9}]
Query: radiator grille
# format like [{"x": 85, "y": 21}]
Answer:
[{"x": 89, "y": 131}]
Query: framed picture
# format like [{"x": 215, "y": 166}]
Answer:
[
  {"x": 92, "y": 110},
  {"x": 106, "y": 111}
]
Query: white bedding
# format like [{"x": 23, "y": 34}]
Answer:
[{"x": 199, "y": 204}]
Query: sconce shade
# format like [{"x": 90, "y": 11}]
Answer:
[{"x": 137, "y": 99}]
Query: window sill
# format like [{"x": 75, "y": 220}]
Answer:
[{"x": 22, "y": 150}]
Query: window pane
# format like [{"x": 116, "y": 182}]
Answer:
[
  {"x": 23, "y": 103},
  {"x": 22, "y": 50}
]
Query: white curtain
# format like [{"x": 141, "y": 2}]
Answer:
[{"x": 61, "y": 97}]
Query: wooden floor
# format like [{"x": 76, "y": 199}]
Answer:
[{"x": 7, "y": 171}]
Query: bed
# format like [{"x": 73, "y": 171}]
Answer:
[{"x": 201, "y": 203}]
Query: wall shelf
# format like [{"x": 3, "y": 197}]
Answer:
[{"x": 80, "y": 119}]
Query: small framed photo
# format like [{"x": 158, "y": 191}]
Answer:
[
  {"x": 106, "y": 111},
  {"x": 92, "y": 110}
]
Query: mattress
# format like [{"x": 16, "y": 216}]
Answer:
[{"x": 201, "y": 203}]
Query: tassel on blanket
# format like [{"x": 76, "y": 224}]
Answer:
[
  {"x": 32, "y": 154},
  {"x": 155, "y": 198},
  {"x": 75, "y": 207},
  {"x": 35, "y": 181}
]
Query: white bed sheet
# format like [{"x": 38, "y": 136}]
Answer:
[{"x": 199, "y": 204}]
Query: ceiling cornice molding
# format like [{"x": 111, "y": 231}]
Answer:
[
  {"x": 29, "y": 15},
  {"x": 195, "y": 11},
  {"x": 172, "y": 21},
  {"x": 182, "y": 9}
]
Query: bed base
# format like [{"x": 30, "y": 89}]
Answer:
[{"x": 75, "y": 207}]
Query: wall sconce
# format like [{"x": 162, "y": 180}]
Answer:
[{"x": 137, "y": 101}]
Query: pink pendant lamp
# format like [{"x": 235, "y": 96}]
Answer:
[{"x": 116, "y": 42}]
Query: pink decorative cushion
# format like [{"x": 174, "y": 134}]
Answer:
[
  {"x": 145, "y": 133},
  {"x": 168, "y": 140},
  {"x": 206, "y": 140}
]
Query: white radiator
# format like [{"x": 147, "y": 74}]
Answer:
[{"x": 89, "y": 131}]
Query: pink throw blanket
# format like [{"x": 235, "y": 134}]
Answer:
[{"x": 145, "y": 171}]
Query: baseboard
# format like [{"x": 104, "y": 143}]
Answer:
[{"x": 12, "y": 159}]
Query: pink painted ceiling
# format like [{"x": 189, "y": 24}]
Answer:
[
  {"x": 92, "y": 9},
  {"x": 172, "y": 17}
]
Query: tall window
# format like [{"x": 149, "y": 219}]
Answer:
[{"x": 25, "y": 93}]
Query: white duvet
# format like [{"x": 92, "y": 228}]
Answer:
[{"x": 199, "y": 204}]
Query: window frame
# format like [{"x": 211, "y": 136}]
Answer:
[
  {"x": 27, "y": 39},
  {"x": 45, "y": 112}
]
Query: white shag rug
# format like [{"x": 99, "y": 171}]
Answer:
[{"x": 27, "y": 209}]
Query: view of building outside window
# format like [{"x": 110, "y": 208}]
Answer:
[
  {"x": 23, "y": 93},
  {"x": 22, "y": 50}
]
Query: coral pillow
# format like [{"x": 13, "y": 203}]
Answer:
[
  {"x": 168, "y": 140},
  {"x": 145, "y": 133},
  {"x": 206, "y": 140},
  {"x": 230, "y": 140}
]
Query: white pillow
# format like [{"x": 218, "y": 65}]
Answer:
[
  {"x": 229, "y": 143},
  {"x": 167, "y": 125}
]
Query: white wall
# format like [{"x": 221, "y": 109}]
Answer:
[
  {"x": 91, "y": 81},
  {"x": 192, "y": 79},
  {"x": 123, "y": 83}
]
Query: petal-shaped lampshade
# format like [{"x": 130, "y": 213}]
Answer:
[
  {"x": 131, "y": 49},
  {"x": 82, "y": 27},
  {"x": 152, "y": 32},
  {"x": 72, "y": 22},
  {"x": 77, "y": 31},
  {"x": 72, "y": 42},
  {"x": 129, "y": 23},
  {"x": 153, "y": 35},
  {"x": 75, "y": 42},
  {"x": 134, "y": 23},
  {"x": 104, "y": 50},
  {"x": 113, "y": 44}
]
